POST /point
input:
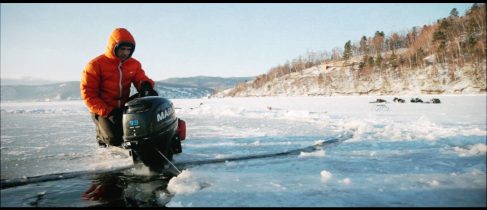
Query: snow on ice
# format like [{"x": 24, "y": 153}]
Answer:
[{"x": 400, "y": 154}]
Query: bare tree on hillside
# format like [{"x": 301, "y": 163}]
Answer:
[
  {"x": 336, "y": 54},
  {"x": 395, "y": 42},
  {"x": 364, "y": 49},
  {"x": 378, "y": 41}
]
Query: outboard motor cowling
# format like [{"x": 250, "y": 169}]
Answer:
[
  {"x": 150, "y": 130},
  {"x": 148, "y": 116}
]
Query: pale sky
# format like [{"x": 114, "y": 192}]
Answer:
[{"x": 56, "y": 41}]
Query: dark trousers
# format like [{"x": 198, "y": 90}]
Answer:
[{"x": 109, "y": 130}]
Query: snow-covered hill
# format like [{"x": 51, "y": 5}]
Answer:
[{"x": 341, "y": 78}]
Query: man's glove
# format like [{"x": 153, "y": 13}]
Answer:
[
  {"x": 146, "y": 89},
  {"x": 145, "y": 86}
]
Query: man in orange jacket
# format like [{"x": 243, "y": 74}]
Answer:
[{"x": 105, "y": 86}]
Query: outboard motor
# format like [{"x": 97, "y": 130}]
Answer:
[{"x": 152, "y": 131}]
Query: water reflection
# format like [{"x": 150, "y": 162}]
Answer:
[{"x": 124, "y": 189}]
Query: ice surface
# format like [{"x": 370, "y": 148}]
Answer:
[{"x": 400, "y": 154}]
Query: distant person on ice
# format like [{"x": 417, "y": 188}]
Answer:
[{"x": 105, "y": 86}]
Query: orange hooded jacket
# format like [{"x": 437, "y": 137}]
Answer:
[{"x": 105, "y": 81}]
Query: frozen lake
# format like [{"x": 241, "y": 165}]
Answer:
[{"x": 397, "y": 154}]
